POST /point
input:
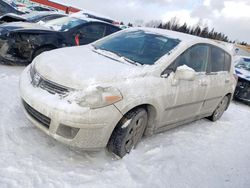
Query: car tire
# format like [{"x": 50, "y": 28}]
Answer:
[
  {"x": 128, "y": 132},
  {"x": 220, "y": 109}
]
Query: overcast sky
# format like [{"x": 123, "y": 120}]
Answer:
[{"x": 231, "y": 17}]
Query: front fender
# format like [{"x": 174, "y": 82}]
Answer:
[{"x": 151, "y": 105}]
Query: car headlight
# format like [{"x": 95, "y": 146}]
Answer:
[
  {"x": 32, "y": 71},
  {"x": 96, "y": 98}
]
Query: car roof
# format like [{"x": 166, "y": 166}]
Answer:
[
  {"x": 87, "y": 19},
  {"x": 183, "y": 37},
  {"x": 29, "y": 16},
  {"x": 41, "y": 13},
  {"x": 92, "y": 14}
]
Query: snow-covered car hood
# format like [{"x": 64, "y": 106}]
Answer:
[
  {"x": 242, "y": 73},
  {"x": 79, "y": 67},
  {"x": 22, "y": 26},
  {"x": 14, "y": 16}
]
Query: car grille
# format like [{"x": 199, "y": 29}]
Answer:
[
  {"x": 52, "y": 87},
  {"x": 42, "y": 119}
]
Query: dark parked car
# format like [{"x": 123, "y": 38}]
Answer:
[
  {"x": 21, "y": 42},
  {"x": 242, "y": 69},
  {"x": 95, "y": 15},
  {"x": 6, "y": 7},
  {"x": 40, "y": 8},
  {"x": 31, "y": 17}
]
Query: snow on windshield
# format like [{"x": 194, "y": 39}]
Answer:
[
  {"x": 244, "y": 64},
  {"x": 138, "y": 46},
  {"x": 64, "y": 24}
]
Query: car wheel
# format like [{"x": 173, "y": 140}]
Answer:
[
  {"x": 128, "y": 132},
  {"x": 220, "y": 109}
]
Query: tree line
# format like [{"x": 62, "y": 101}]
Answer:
[{"x": 198, "y": 30}]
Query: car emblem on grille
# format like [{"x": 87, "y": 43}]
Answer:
[{"x": 36, "y": 80}]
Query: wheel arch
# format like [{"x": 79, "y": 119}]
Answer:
[
  {"x": 116, "y": 143},
  {"x": 152, "y": 114}
]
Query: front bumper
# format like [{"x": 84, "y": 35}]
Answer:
[
  {"x": 8, "y": 59},
  {"x": 242, "y": 91},
  {"x": 91, "y": 128}
]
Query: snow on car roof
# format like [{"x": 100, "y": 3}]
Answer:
[
  {"x": 185, "y": 38},
  {"x": 25, "y": 17},
  {"x": 84, "y": 12},
  {"x": 40, "y": 13},
  {"x": 86, "y": 18}
]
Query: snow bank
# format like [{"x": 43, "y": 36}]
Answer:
[{"x": 200, "y": 154}]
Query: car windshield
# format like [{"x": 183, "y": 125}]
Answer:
[
  {"x": 138, "y": 46},
  {"x": 244, "y": 64},
  {"x": 64, "y": 24},
  {"x": 34, "y": 16}
]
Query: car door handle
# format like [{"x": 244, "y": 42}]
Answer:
[{"x": 227, "y": 81}]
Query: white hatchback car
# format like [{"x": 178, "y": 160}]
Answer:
[{"x": 136, "y": 82}]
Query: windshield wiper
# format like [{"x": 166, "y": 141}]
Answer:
[
  {"x": 104, "y": 53},
  {"x": 130, "y": 61},
  {"x": 117, "y": 55}
]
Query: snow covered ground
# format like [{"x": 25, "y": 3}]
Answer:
[{"x": 200, "y": 154}]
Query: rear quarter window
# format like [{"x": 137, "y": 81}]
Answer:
[
  {"x": 217, "y": 59},
  {"x": 110, "y": 30},
  {"x": 228, "y": 61}
]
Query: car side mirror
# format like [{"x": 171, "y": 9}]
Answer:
[
  {"x": 167, "y": 72},
  {"x": 184, "y": 73}
]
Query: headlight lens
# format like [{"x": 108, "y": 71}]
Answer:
[
  {"x": 32, "y": 70},
  {"x": 96, "y": 98}
]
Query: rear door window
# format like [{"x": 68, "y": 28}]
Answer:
[
  {"x": 110, "y": 30},
  {"x": 227, "y": 64},
  {"x": 195, "y": 57},
  {"x": 219, "y": 60}
]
